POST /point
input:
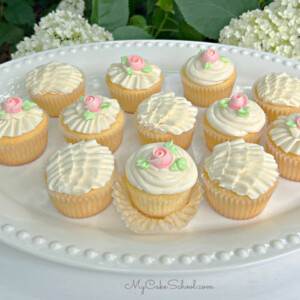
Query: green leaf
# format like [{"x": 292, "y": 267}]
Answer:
[
  {"x": 224, "y": 59},
  {"x": 157, "y": 17},
  {"x": 210, "y": 16},
  {"x": 223, "y": 103},
  {"x": 138, "y": 21},
  {"x": 291, "y": 123},
  {"x": 124, "y": 60},
  {"x": 179, "y": 165},
  {"x": 171, "y": 147},
  {"x": 187, "y": 32},
  {"x": 166, "y": 5},
  {"x": 81, "y": 99},
  {"x": 89, "y": 115},
  {"x": 110, "y": 14},
  {"x": 10, "y": 34},
  {"x": 105, "y": 105},
  {"x": 2, "y": 112},
  {"x": 147, "y": 69},
  {"x": 207, "y": 65},
  {"x": 28, "y": 104},
  {"x": 131, "y": 33},
  {"x": 142, "y": 163},
  {"x": 244, "y": 111},
  {"x": 130, "y": 70}
]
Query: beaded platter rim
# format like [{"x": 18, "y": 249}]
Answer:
[{"x": 26, "y": 241}]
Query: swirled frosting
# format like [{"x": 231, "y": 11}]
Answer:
[
  {"x": 217, "y": 73},
  {"x": 53, "y": 78},
  {"x": 284, "y": 136},
  {"x": 74, "y": 119},
  {"x": 78, "y": 168},
  {"x": 243, "y": 168},
  {"x": 227, "y": 121},
  {"x": 136, "y": 81},
  {"x": 167, "y": 113},
  {"x": 279, "y": 89},
  {"x": 160, "y": 181},
  {"x": 15, "y": 124}
]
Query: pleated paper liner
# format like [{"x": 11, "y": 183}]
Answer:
[
  {"x": 204, "y": 96},
  {"x": 288, "y": 163},
  {"x": 20, "y": 150},
  {"x": 142, "y": 223},
  {"x": 231, "y": 205},
  {"x": 130, "y": 99},
  {"x": 53, "y": 104},
  {"x": 214, "y": 137},
  {"x": 110, "y": 138},
  {"x": 273, "y": 111}
]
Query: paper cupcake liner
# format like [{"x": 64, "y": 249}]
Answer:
[
  {"x": 232, "y": 205},
  {"x": 110, "y": 138},
  {"x": 204, "y": 96},
  {"x": 141, "y": 223},
  {"x": 273, "y": 111},
  {"x": 86, "y": 205},
  {"x": 213, "y": 137},
  {"x": 130, "y": 99},
  {"x": 53, "y": 104},
  {"x": 22, "y": 149},
  {"x": 288, "y": 163}
]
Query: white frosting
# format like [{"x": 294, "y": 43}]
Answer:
[
  {"x": 160, "y": 181},
  {"x": 285, "y": 137},
  {"x": 227, "y": 121},
  {"x": 53, "y": 78},
  {"x": 243, "y": 168},
  {"x": 279, "y": 89},
  {"x": 13, "y": 125},
  {"x": 167, "y": 113},
  {"x": 219, "y": 72},
  {"x": 74, "y": 119},
  {"x": 78, "y": 168},
  {"x": 137, "y": 81}
]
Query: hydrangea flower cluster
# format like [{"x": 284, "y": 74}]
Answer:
[
  {"x": 276, "y": 29},
  {"x": 59, "y": 29},
  {"x": 74, "y": 6}
]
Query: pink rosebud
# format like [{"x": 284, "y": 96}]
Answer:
[
  {"x": 210, "y": 56},
  {"x": 12, "y": 105},
  {"x": 161, "y": 158},
  {"x": 238, "y": 101},
  {"x": 298, "y": 122},
  {"x": 92, "y": 103},
  {"x": 135, "y": 62}
]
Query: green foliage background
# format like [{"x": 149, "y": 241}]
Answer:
[{"x": 199, "y": 20}]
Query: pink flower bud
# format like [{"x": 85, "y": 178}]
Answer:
[
  {"x": 92, "y": 103},
  {"x": 210, "y": 56},
  {"x": 161, "y": 158},
  {"x": 12, "y": 105},
  {"x": 135, "y": 62},
  {"x": 238, "y": 101}
]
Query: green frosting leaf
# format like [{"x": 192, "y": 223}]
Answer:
[
  {"x": 179, "y": 165},
  {"x": 224, "y": 59},
  {"x": 147, "y": 69},
  {"x": 291, "y": 123},
  {"x": 244, "y": 111},
  {"x": 207, "y": 65},
  {"x": 171, "y": 147},
  {"x": 2, "y": 112},
  {"x": 124, "y": 60},
  {"x": 130, "y": 70},
  {"x": 105, "y": 105},
  {"x": 223, "y": 103},
  {"x": 28, "y": 104},
  {"x": 200, "y": 52},
  {"x": 81, "y": 99},
  {"x": 142, "y": 163},
  {"x": 89, "y": 115}
]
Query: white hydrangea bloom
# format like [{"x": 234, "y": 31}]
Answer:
[
  {"x": 276, "y": 29},
  {"x": 74, "y": 6},
  {"x": 59, "y": 29}
]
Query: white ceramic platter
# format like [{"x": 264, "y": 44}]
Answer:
[{"x": 29, "y": 222}]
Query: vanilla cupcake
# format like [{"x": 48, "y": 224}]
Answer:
[
  {"x": 159, "y": 178},
  {"x": 94, "y": 117},
  {"x": 80, "y": 178},
  {"x": 23, "y": 132},
  {"x": 165, "y": 117},
  {"x": 54, "y": 86},
  {"x": 277, "y": 94},
  {"x": 239, "y": 179},
  {"x": 231, "y": 119},
  {"x": 132, "y": 81},
  {"x": 207, "y": 77},
  {"x": 283, "y": 142}
]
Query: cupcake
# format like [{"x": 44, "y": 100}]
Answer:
[
  {"x": 283, "y": 142},
  {"x": 23, "y": 132},
  {"x": 159, "y": 178},
  {"x": 80, "y": 178},
  {"x": 239, "y": 179},
  {"x": 165, "y": 117},
  {"x": 207, "y": 77},
  {"x": 54, "y": 86},
  {"x": 94, "y": 117},
  {"x": 233, "y": 118},
  {"x": 277, "y": 94},
  {"x": 132, "y": 81}
]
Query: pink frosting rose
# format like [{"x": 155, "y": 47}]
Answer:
[
  {"x": 298, "y": 122},
  {"x": 210, "y": 56},
  {"x": 135, "y": 62},
  {"x": 92, "y": 103},
  {"x": 161, "y": 158},
  {"x": 12, "y": 105},
  {"x": 238, "y": 101}
]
